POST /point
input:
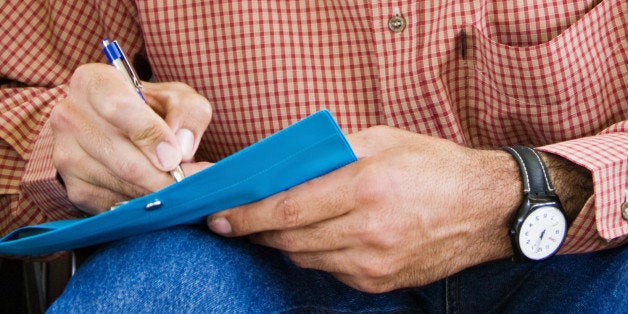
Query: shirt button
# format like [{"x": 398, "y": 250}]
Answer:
[
  {"x": 397, "y": 23},
  {"x": 624, "y": 210}
]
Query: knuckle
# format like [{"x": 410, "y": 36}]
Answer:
[
  {"x": 174, "y": 92},
  {"x": 198, "y": 105},
  {"x": 373, "y": 270},
  {"x": 61, "y": 160},
  {"x": 117, "y": 104},
  {"x": 203, "y": 108},
  {"x": 130, "y": 179},
  {"x": 63, "y": 117},
  {"x": 370, "y": 286},
  {"x": 90, "y": 75},
  {"x": 289, "y": 212},
  {"x": 148, "y": 135},
  {"x": 129, "y": 170},
  {"x": 298, "y": 259},
  {"x": 79, "y": 195},
  {"x": 80, "y": 77},
  {"x": 371, "y": 187},
  {"x": 287, "y": 242},
  {"x": 241, "y": 222},
  {"x": 377, "y": 233},
  {"x": 90, "y": 200},
  {"x": 180, "y": 86},
  {"x": 59, "y": 117}
]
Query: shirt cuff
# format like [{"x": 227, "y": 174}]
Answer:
[
  {"x": 40, "y": 182},
  {"x": 600, "y": 223}
]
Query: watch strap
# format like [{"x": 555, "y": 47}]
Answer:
[{"x": 536, "y": 179}]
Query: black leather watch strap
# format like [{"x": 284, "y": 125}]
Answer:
[
  {"x": 538, "y": 194},
  {"x": 536, "y": 180}
]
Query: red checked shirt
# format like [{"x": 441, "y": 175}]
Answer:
[{"x": 553, "y": 74}]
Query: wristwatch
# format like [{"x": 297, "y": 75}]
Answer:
[{"x": 540, "y": 225}]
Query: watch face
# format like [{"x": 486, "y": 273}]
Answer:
[{"x": 542, "y": 232}]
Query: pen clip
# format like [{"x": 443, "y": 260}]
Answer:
[{"x": 113, "y": 52}]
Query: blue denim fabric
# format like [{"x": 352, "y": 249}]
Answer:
[{"x": 187, "y": 269}]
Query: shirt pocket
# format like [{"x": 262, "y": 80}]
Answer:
[{"x": 566, "y": 86}]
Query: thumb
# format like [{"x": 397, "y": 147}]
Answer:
[
  {"x": 186, "y": 112},
  {"x": 138, "y": 122},
  {"x": 104, "y": 96}
]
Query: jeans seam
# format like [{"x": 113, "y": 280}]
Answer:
[{"x": 452, "y": 295}]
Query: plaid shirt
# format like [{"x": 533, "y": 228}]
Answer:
[{"x": 553, "y": 74}]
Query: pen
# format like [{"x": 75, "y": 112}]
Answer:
[{"x": 116, "y": 57}]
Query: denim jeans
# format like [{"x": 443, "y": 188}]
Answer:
[{"x": 188, "y": 269}]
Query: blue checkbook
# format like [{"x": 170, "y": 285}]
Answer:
[{"x": 307, "y": 149}]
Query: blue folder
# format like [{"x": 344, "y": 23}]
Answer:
[{"x": 307, "y": 149}]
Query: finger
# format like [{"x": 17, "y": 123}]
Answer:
[
  {"x": 95, "y": 173},
  {"x": 368, "y": 285},
  {"x": 113, "y": 99},
  {"x": 356, "y": 270},
  {"x": 328, "y": 261},
  {"x": 316, "y": 200},
  {"x": 329, "y": 235},
  {"x": 80, "y": 174},
  {"x": 91, "y": 199},
  {"x": 78, "y": 136},
  {"x": 185, "y": 111},
  {"x": 126, "y": 162},
  {"x": 77, "y": 168},
  {"x": 192, "y": 168}
]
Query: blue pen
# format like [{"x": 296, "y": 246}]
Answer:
[{"x": 116, "y": 57}]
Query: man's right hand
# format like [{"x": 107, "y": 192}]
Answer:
[{"x": 110, "y": 146}]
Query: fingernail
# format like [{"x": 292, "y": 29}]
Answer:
[
  {"x": 186, "y": 139},
  {"x": 168, "y": 155},
  {"x": 220, "y": 226}
]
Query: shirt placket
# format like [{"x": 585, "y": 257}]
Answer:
[{"x": 408, "y": 58}]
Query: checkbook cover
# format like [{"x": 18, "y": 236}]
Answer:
[{"x": 305, "y": 150}]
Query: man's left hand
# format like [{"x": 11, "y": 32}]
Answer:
[{"x": 413, "y": 209}]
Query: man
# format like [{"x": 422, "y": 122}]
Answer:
[{"x": 427, "y": 94}]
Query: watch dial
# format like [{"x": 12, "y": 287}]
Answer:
[{"x": 542, "y": 232}]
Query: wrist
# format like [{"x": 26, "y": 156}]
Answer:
[
  {"x": 539, "y": 227},
  {"x": 496, "y": 198}
]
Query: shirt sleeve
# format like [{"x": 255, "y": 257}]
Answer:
[
  {"x": 29, "y": 190},
  {"x": 600, "y": 223},
  {"x": 41, "y": 46}
]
